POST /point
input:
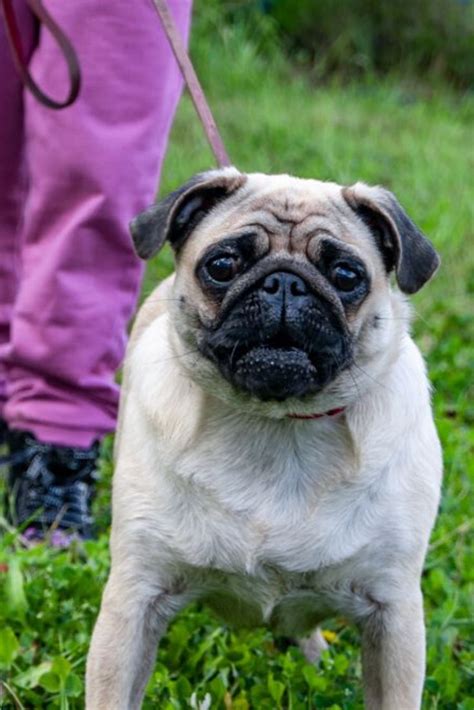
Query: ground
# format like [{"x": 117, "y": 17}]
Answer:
[{"x": 417, "y": 142}]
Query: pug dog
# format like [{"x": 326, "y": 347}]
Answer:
[{"x": 276, "y": 454}]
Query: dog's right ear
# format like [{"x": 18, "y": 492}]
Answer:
[{"x": 175, "y": 217}]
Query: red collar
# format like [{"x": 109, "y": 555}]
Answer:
[{"x": 330, "y": 413}]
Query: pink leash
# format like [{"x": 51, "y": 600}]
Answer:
[{"x": 195, "y": 89}]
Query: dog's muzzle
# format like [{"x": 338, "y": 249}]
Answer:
[{"x": 279, "y": 340}]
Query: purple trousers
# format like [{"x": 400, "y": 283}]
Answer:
[{"x": 70, "y": 181}]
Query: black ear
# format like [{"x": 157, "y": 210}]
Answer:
[
  {"x": 177, "y": 215},
  {"x": 403, "y": 247}
]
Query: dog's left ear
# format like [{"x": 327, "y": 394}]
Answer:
[
  {"x": 404, "y": 248},
  {"x": 174, "y": 217}
]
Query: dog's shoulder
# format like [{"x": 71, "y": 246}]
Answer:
[
  {"x": 151, "y": 314},
  {"x": 155, "y": 388},
  {"x": 154, "y": 306}
]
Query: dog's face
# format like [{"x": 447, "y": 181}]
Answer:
[{"x": 282, "y": 284}]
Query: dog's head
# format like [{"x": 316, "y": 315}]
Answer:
[{"x": 282, "y": 284}]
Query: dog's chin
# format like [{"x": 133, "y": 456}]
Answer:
[
  {"x": 275, "y": 373},
  {"x": 268, "y": 381}
]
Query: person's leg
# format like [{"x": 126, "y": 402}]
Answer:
[
  {"x": 92, "y": 167},
  {"x": 12, "y": 178}
]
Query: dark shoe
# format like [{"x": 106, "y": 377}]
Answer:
[
  {"x": 3, "y": 432},
  {"x": 50, "y": 488}
]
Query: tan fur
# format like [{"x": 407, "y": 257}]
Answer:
[{"x": 221, "y": 497}]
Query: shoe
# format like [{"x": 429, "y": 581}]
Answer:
[
  {"x": 50, "y": 489},
  {"x": 3, "y": 432}
]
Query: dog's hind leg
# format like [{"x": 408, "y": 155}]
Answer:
[{"x": 124, "y": 643}]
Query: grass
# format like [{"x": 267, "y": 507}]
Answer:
[{"x": 418, "y": 143}]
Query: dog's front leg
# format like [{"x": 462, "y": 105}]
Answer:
[
  {"x": 124, "y": 643},
  {"x": 393, "y": 655}
]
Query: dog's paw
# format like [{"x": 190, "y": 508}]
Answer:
[{"x": 312, "y": 646}]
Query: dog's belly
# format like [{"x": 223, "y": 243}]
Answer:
[{"x": 292, "y": 605}]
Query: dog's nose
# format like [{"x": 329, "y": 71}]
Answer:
[{"x": 284, "y": 286}]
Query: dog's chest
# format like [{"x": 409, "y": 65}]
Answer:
[{"x": 250, "y": 504}]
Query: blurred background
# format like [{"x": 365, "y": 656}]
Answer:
[{"x": 344, "y": 91}]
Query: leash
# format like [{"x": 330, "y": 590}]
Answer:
[
  {"x": 197, "y": 94},
  {"x": 194, "y": 87},
  {"x": 68, "y": 51}
]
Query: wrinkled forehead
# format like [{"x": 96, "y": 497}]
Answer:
[{"x": 287, "y": 214}]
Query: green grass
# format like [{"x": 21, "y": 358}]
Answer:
[{"x": 418, "y": 143}]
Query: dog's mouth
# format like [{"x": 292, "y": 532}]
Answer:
[
  {"x": 277, "y": 368},
  {"x": 276, "y": 372},
  {"x": 260, "y": 349},
  {"x": 278, "y": 346}
]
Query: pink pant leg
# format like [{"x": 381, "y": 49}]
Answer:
[
  {"x": 92, "y": 167},
  {"x": 12, "y": 176}
]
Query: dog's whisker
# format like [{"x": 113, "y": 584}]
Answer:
[
  {"x": 355, "y": 382},
  {"x": 404, "y": 319},
  {"x": 174, "y": 357},
  {"x": 337, "y": 361},
  {"x": 377, "y": 382},
  {"x": 420, "y": 317},
  {"x": 233, "y": 353},
  {"x": 159, "y": 300}
]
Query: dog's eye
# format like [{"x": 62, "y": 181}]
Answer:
[
  {"x": 223, "y": 268},
  {"x": 344, "y": 277}
]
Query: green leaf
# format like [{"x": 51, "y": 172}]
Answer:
[
  {"x": 15, "y": 598},
  {"x": 276, "y": 688},
  {"x": 315, "y": 680},
  {"x": 9, "y": 647},
  {"x": 341, "y": 664},
  {"x": 31, "y": 677},
  {"x": 61, "y": 667},
  {"x": 73, "y": 686},
  {"x": 183, "y": 688},
  {"x": 240, "y": 703},
  {"x": 218, "y": 689},
  {"x": 50, "y": 681}
]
